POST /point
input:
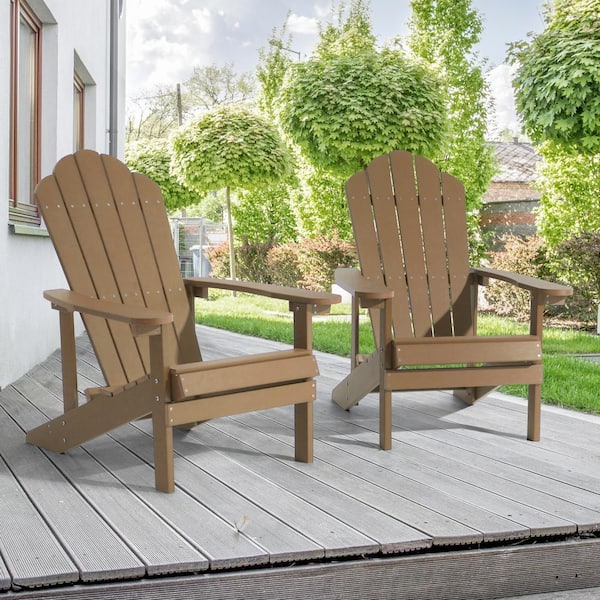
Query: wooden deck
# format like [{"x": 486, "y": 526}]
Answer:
[{"x": 462, "y": 507}]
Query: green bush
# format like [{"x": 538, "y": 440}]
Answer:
[
  {"x": 319, "y": 258},
  {"x": 219, "y": 260},
  {"x": 251, "y": 261},
  {"x": 577, "y": 260},
  {"x": 523, "y": 256},
  {"x": 309, "y": 264},
  {"x": 283, "y": 266},
  {"x": 574, "y": 262}
]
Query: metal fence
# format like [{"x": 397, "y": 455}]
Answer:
[{"x": 193, "y": 237}]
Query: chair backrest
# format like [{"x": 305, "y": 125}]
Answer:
[
  {"x": 409, "y": 222},
  {"x": 111, "y": 233}
]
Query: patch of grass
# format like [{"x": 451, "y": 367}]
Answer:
[
  {"x": 271, "y": 319},
  {"x": 568, "y": 381}
]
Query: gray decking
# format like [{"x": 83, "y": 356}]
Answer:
[{"x": 461, "y": 493}]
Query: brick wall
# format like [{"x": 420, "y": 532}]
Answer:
[{"x": 509, "y": 208}]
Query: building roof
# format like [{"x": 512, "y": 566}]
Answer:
[{"x": 516, "y": 162}]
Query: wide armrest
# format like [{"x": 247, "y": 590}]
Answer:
[
  {"x": 366, "y": 290},
  {"x": 200, "y": 285},
  {"x": 555, "y": 292},
  {"x": 136, "y": 316}
]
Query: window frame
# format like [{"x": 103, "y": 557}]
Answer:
[
  {"x": 22, "y": 12},
  {"x": 78, "y": 112}
]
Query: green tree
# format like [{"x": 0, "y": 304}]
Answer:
[
  {"x": 153, "y": 159},
  {"x": 230, "y": 147},
  {"x": 351, "y": 102},
  {"x": 570, "y": 185},
  {"x": 557, "y": 83},
  {"x": 264, "y": 214},
  {"x": 273, "y": 63},
  {"x": 557, "y": 88},
  {"x": 443, "y": 33},
  {"x": 321, "y": 205}
]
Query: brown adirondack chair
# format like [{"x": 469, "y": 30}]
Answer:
[
  {"x": 110, "y": 229},
  {"x": 409, "y": 224}
]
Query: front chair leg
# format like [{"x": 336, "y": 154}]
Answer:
[
  {"x": 534, "y": 412},
  {"x": 164, "y": 464},
  {"x": 303, "y": 431},
  {"x": 164, "y": 467}
]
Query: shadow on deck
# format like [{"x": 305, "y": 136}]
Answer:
[{"x": 462, "y": 507}]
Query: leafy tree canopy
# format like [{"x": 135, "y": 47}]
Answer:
[
  {"x": 229, "y": 146},
  {"x": 557, "y": 84},
  {"x": 153, "y": 158},
  {"x": 343, "y": 111},
  {"x": 570, "y": 184}
]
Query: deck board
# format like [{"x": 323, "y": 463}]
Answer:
[
  {"x": 95, "y": 549},
  {"x": 458, "y": 478}
]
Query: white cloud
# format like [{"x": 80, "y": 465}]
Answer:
[
  {"x": 302, "y": 25},
  {"x": 203, "y": 19}
]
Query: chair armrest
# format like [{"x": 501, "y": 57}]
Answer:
[
  {"x": 138, "y": 317},
  {"x": 555, "y": 293},
  {"x": 367, "y": 291},
  {"x": 199, "y": 286}
]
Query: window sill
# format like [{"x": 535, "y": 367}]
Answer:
[{"x": 20, "y": 229}]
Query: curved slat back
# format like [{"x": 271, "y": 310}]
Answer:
[
  {"x": 112, "y": 237},
  {"x": 409, "y": 223}
]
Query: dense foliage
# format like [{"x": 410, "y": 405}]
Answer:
[
  {"x": 320, "y": 203},
  {"x": 557, "y": 82},
  {"x": 230, "y": 146},
  {"x": 265, "y": 214},
  {"x": 570, "y": 185},
  {"x": 575, "y": 262},
  {"x": 309, "y": 263},
  {"x": 578, "y": 258},
  {"x": 344, "y": 110},
  {"x": 153, "y": 159},
  {"x": 526, "y": 257}
]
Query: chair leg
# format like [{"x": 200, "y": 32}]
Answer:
[
  {"x": 303, "y": 431},
  {"x": 385, "y": 419},
  {"x": 164, "y": 465},
  {"x": 534, "y": 412}
]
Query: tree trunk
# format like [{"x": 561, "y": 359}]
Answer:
[{"x": 230, "y": 234}]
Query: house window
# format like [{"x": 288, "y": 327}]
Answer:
[
  {"x": 25, "y": 103},
  {"x": 78, "y": 113}
]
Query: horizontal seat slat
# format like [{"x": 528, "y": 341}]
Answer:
[
  {"x": 229, "y": 375},
  {"x": 454, "y": 350}
]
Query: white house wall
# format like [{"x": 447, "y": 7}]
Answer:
[{"x": 75, "y": 32}]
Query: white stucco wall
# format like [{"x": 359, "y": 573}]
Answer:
[{"x": 28, "y": 264}]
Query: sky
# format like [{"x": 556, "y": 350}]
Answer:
[{"x": 166, "y": 39}]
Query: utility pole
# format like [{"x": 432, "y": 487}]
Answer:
[{"x": 179, "y": 108}]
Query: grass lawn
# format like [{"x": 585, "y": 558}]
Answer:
[{"x": 568, "y": 381}]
